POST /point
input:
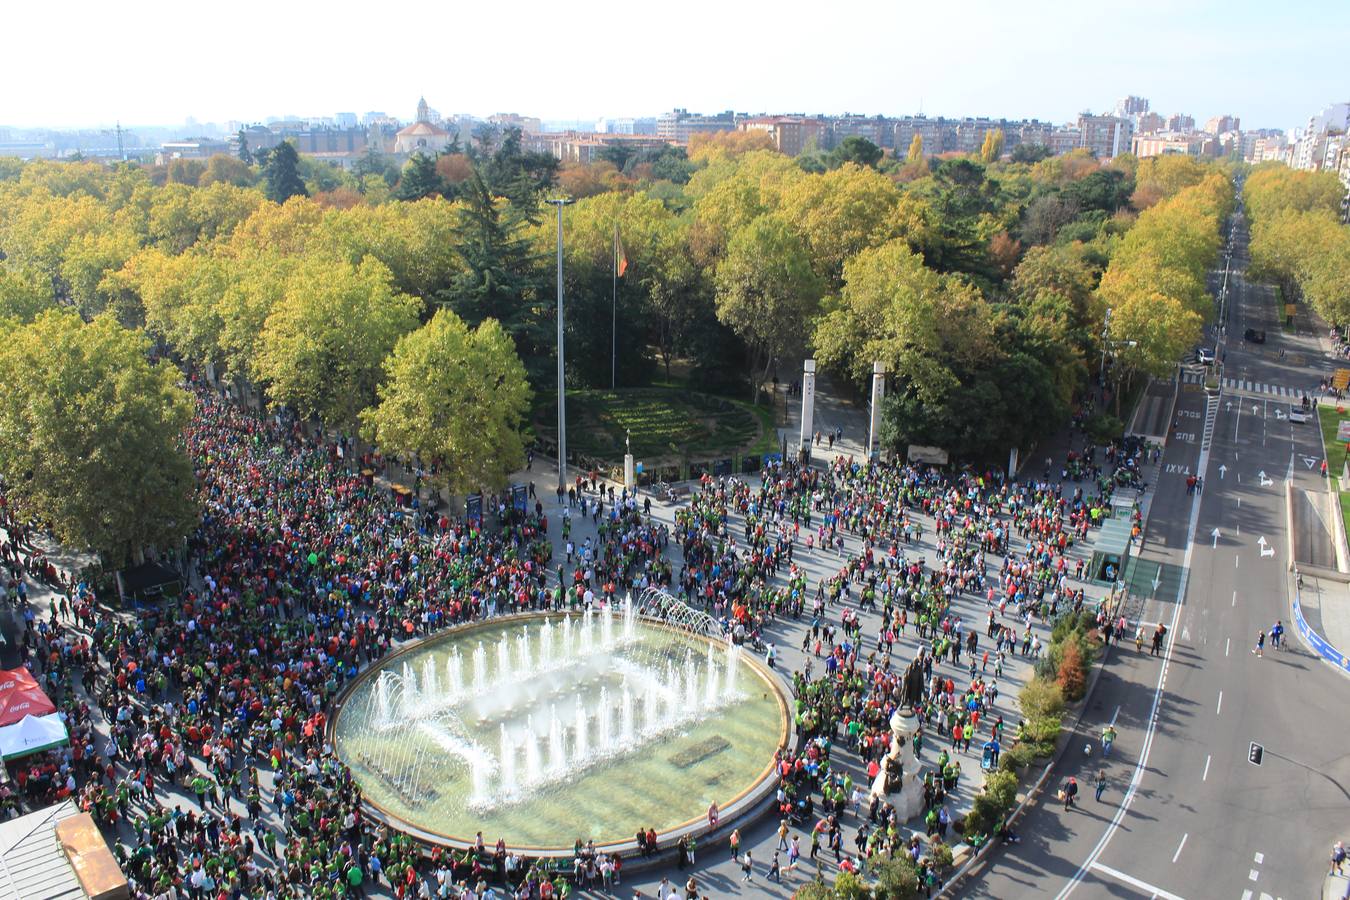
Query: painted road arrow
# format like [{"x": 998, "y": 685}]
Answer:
[
  {"x": 1215, "y": 534},
  {"x": 1265, "y": 482},
  {"x": 1265, "y": 550},
  {"x": 1222, "y": 470}
]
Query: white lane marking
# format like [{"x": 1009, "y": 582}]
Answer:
[
  {"x": 1235, "y": 598},
  {"x": 1247, "y": 895},
  {"x": 1176, "y": 855},
  {"x": 1236, "y": 561},
  {"x": 1205, "y": 777},
  {"x": 1218, "y": 710},
  {"x": 1226, "y": 644},
  {"x": 1259, "y": 858},
  {"x": 1114, "y": 715},
  {"x": 1253, "y": 875},
  {"x": 1202, "y": 467},
  {"x": 1135, "y": 882}
]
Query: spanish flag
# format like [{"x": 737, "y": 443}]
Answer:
[{"x": 620, "y": 258}]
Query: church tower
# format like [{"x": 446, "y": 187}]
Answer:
[{"x": 423, "y": 111}]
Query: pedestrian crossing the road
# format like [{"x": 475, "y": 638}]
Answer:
[{"x": 1246, "y": 386}]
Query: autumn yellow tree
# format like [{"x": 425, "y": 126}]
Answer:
[
  {"x": 992, "y": 148},
  {"x": 915, "y": 154}
]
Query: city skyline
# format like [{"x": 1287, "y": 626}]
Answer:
[{"x": 1268, "y": 66}]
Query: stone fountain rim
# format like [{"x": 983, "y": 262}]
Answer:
[{"x": 745, "y": 806}]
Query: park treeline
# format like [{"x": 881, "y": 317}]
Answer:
[
  {"x": 416, "y": 305},
  {"x": 1297, "y": 238}
]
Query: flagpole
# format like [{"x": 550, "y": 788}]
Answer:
[{"x": 613, "y": 316}]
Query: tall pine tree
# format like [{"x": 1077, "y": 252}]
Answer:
[
  {"x": 503, "y": 277},
  {"x": 283, "y": 174}
]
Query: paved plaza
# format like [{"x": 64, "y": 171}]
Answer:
[{"x": 714, "y": 872}]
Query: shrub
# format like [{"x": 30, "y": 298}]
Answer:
[
  {"x": 848, "y": 886},
  {"x": 813, "y": 891},
  {"x": 897, "y": 879},
  {"x": 1042, "y": 728},
  {"x": 941, "y": 856},
  {"x": 1072, "y": 681},
  {"x": 1040, "y": 698},
  {"x": 1046, "y": 666},
  {"x": 1065, "y": 626},
  {"x": 1019, "y": 757},
  {"x": 1001, "y": 787}
]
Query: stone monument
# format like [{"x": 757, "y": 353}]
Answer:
[
  {"x": 629, "y": 468},
  {"x": 899, "y": 769}
]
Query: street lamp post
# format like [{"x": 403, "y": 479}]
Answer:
[
  {"x": 562, "y": 388},
  {"x": 1106, "y": 340}
]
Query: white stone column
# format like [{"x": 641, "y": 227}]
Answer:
[
  {"x": 808, "y": 409},
  {"x": 878, "y": 394}
]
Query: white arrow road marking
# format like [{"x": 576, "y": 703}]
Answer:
[
  {"x": 1265, "y": 550},
  {"x": 1223, "y": 470},
  {"x": 1215, "y": 534},
  {"x": 1265, "y": 481}
]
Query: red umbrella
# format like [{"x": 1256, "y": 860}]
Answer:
[{"x": 20, "y": 696}]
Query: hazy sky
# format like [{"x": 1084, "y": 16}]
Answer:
[{"x": 90, "y": 63}]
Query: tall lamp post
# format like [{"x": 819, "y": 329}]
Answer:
[{"x": 562, "y": 389}]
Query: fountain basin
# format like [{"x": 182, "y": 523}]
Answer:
[{"x": 543, "y": 729}]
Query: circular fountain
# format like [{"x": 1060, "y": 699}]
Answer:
[{"x": 544, "y": 729}]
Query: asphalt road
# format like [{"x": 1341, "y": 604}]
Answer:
[{"x": 1185, "y": 814}]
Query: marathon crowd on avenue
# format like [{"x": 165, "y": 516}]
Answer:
[{"x": 199, "y": 725}]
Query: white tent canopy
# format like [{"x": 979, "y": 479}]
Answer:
[{"x": 32, "y": 734}]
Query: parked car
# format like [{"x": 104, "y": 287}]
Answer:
[{"x": 1254, "y": 335}]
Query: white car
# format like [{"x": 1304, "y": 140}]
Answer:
[
  {"x": 1204, "y": 356},
  {"x": 1298, "y": 414}
]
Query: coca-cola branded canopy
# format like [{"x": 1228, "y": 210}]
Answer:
[{"x": 20, "y": 696}]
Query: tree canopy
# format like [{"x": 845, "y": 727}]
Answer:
[{"x": 91, "y": 435}]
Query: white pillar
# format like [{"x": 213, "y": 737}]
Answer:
[
  {"x": 808, "y": 409},
  {"x": 878, "y": 394}
]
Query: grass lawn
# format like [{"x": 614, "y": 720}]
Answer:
[
  {"x": 1329, "y": 418},
  {"x": 663, "y": 423}
]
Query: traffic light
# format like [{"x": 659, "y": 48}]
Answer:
[{"x": 1254, "y": 753}]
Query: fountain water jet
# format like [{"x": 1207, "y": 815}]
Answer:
[{"x": 581, "y": 738}]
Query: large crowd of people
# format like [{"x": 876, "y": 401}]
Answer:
[{"x": 198, "y": 729}]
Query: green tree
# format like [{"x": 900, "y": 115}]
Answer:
[
  {"x": 766, "y": 291},
  {"x": 282, "y": 173},
  {"x": 856, "y": 149},
  {"x": 245, "y": 155},
  {"x": 226, "y": 170},
  {"x": 1030, "y": 153},
  {"x": 501, "y": 276},
  {"x": 454, "y": 397},
  {"x": 91, "y": 436},
  {"x": 23, "y": 295},
  {"x": 323, "y": 346},
  {"x": 419, "y": 179}
]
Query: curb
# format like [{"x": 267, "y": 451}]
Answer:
[{"x": 1066, "y": 738}]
